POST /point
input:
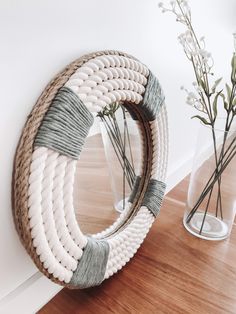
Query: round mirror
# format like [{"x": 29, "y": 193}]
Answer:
[{"x": 90, "y": 167}]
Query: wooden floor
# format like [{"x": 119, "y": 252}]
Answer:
[{"x": 172, "y": 272}]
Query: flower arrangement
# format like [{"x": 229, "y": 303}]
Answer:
[{"x": 208, "y": 98}]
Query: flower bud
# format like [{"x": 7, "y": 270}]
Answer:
[{"x": 233, "y": 66}]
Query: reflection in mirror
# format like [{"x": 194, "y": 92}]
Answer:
[{"x": 106, "y": 169}]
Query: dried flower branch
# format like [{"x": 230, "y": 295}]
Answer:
[{"x": 207, "y": 95}]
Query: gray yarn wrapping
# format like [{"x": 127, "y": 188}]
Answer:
[
  {"x": 153, "y": 99},
  {"x": 91, "y": 267},
  {"x": 153, "y": 196},
  {"x": 66, "y": 124}
]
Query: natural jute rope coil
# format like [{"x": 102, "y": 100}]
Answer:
[{"x": 45, "y": 165}]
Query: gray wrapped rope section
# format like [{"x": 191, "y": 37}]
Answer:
[
  {"x": 64, "y": 129},
  {"x": 153, "y": 99},
  {"x": 92, "y": 265},
  {"x": 65, "y": 125},
  {"x": 153, "y": 196}
]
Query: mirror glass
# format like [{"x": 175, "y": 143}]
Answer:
[{"x": 106, "y": 170}]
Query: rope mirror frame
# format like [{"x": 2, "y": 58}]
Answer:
[{"x": 46, "y": 158}]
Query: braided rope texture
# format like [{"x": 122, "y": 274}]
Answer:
[{"x": 45, "y": 167}]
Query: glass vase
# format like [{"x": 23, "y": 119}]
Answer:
[
  {"x": 122, "y": 150},
  {"x": 211, "y": 200}
]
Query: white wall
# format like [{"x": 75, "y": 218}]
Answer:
[{"x": 38, "y": 38}]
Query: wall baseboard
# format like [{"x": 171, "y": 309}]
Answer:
[
  {"x": 178, "y": 173},
  {"x": 30, "y": 296},
  {"x": 35, "y": 292}
]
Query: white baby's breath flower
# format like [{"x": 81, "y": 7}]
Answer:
[
  {"x": 190, "y": 101},
  {"x": 179, "y": 17},
  {"x": 194, "y": 53},
  {"x": 199, "y": 55},
  {"x": 192, "y": 95},
  {"x": 234, "y": 35},
  {"x": 198, "y": 105},
  {"x": 189, "y": 39},
  {"x": 197, "y": 87},
  {"x": 204, "y": 53},
  {"x": 188, "y": 33}
]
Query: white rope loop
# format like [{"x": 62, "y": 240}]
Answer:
[
  {"x": 56, "y": 235},
  {"x": 108, "y": 79}
]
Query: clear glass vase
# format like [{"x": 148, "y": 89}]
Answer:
[
  {"x": 121, "y": 139},
  {"x": 211, "y": 201}
]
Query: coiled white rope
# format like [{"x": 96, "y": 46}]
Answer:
[{"x": 56, "y": 235}]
